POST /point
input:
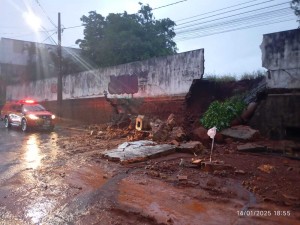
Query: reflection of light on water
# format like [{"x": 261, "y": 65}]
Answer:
[
  {"x": 39, "y": 210},
  {"x": 53, "y": 137},
  {"x": 32, "y": 154}
]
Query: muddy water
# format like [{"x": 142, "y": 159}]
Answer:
[{"x": 43, "y": 183}]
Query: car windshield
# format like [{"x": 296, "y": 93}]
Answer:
[{"x": 33, "y": 108}]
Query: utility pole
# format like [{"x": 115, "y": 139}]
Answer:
[{"x": 59, "y": 76}]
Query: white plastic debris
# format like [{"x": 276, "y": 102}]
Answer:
[{"x": 212, "y": 133}]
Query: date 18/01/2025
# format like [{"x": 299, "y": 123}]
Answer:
[{"x": 263, "y": 213}]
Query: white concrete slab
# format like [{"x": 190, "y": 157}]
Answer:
[{"x": 138, "y": 151}]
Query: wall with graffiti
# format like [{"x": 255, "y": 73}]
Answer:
[{"x": 156, "y": 77}]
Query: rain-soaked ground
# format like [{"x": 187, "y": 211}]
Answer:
[{"x": 60, "y": 178}]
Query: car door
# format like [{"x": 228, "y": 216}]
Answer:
[{"x": 16, "y": 114}]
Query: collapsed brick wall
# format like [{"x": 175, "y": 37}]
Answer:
[
  {"x": 188, "y": 109},
  {"x": 86, "y": 110},
  {"x": 203, "y": 92},
  {"x": 99, "y": 110}
]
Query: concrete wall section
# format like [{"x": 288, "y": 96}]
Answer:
[
  {"x": 162, "y": 76},
  {"x": 275, "y": 123},
  {"x": 281, "y": 56},
  {"x": 12, "y": 52},
  {"x": 42, "y": 90}
]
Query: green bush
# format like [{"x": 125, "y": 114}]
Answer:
[{"x": 220, "y": 114}]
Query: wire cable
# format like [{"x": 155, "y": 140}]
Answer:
[
  {"x": 237, "y": 29},
  {"x": 202, "y": 14},
  {"x": 169, "y": 5},
  {"x": 238, "y": 14},
  {"x": 226, "y": 12},
  {"x": 44, "y": 11},
  {"x": 245, "y": 19}
]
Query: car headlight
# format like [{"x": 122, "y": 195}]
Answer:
[
  {"x": 53, "y": 117},
  {"x": 33, "y": 117}
]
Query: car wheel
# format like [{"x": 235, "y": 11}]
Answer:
[
  {"x": 24, "y": 125},
  {"x": 6, "y": 122}
]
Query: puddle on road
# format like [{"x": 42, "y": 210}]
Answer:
[
  {"x": 88, "y": 177},
  {"x": 32, "y": 153},
  {"x": 167, "y": 203},
  {"x": 36, "y": 147}
]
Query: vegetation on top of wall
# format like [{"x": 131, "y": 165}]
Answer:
[
  {"x": 221, "y": 114},
  {"x": 232, "y": 78},
  {"x": 223, "y": 78},
  {"x": 252, "y": 76}
]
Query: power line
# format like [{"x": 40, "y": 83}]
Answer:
[
  {"x": 50, "y": 36},
  {"x": 238, "y": 14},
  {"x": 233, "y": 23},
  {"x": 226, "y": 12},
  {"x": 216, "y": 10},
  {"x": 44, "y": 11},
  {"x": 66, "y": 28},
  {"x": 245, "y": 19},
  {"x": 169, "y": 5},
  {"x": 237, "y": 29},
  {"x": 214, "y": 29}
]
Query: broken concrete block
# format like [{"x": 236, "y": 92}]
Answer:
[
  {"x": 219, "y": 138},
  {"x": 142, "y": 123},
  {"x": 138, "y": 151},
  {"x": 178, "y": 134},
  {"x": 182, "y": 178},
  {"x": 191, "y": 147},
  {"x": 267, "y": 168},
  {"x": 241, "y": 132},
  {"x": 251, "y": 147},
  {"x": 197, "y": 161},
  {"x": 200, "y": 134},
  {"x": 241, "y": 172},
  {"x": 160, "y": 133},
  {"x": 171, "y": 122}
]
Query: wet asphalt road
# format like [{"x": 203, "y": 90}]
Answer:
[
  {"x": 20, "y": 150},
  {"x": 21, "y": 154}
]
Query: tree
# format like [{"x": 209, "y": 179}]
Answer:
[
  {"x": 295, "y": 5},
  {"x": 122, "y": 37}
]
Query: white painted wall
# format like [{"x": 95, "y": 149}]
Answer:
[
  {"x": 12, "y": 52},
  {"x": 162, "y": 76},
  {"x": 281, "y": 56}
]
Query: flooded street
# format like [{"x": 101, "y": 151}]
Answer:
[
  {"x": 22, "y": 156},
  {"x": 59, "y": 178}
]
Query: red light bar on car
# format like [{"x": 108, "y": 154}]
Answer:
[{"x": 29, "y": 101}]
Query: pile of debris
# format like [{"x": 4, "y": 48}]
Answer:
[{"x": 141, "y": 128}]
